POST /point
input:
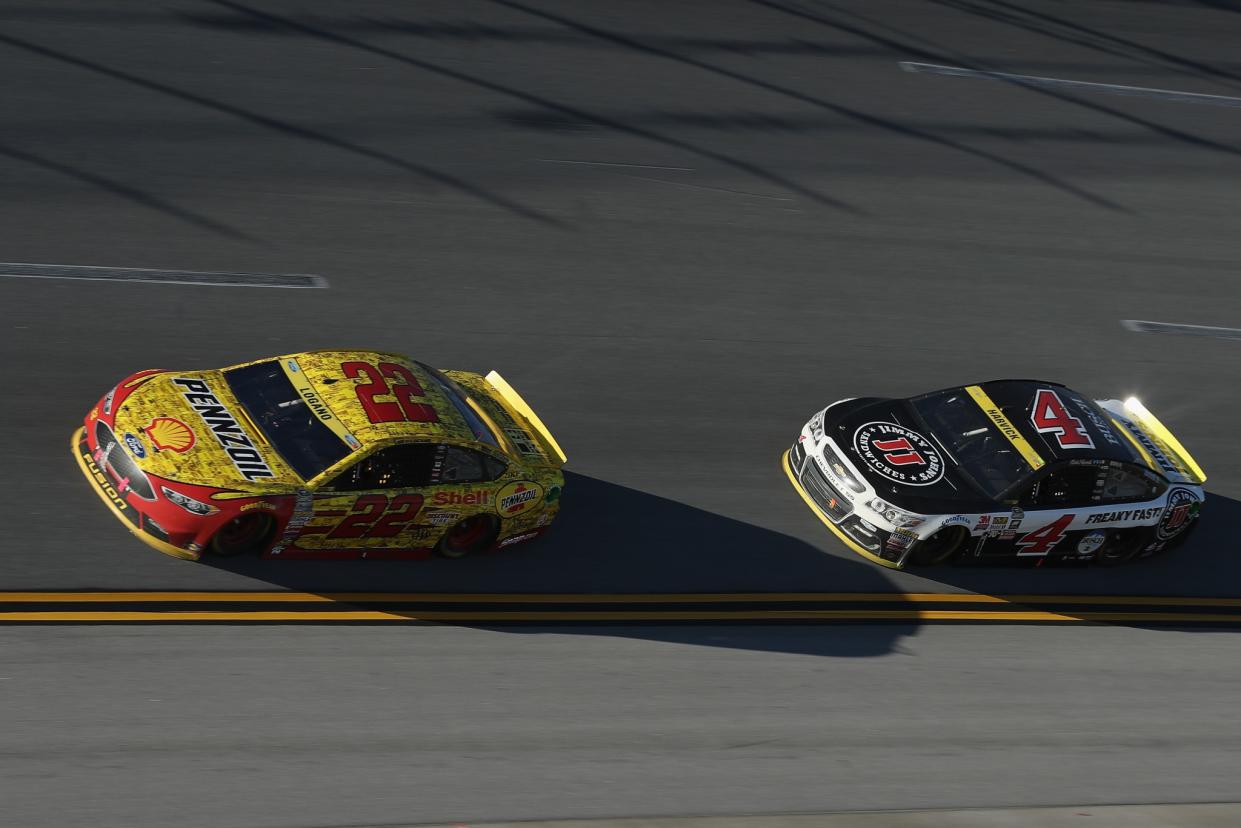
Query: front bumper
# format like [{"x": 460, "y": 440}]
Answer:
[
  {"x": 135, "y": 521},
  {"x": 839, "y": 518}
]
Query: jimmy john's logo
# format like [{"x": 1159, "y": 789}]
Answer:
[
  {"x": 225, "y": 428},
  {"x": 1182, "y": 509},
  {"x": 519, "y": 497},
  {"x": 899, "y": 454}
]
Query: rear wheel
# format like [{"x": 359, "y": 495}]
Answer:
[
  {"x": 243, "y": 535},
  {"x": 938, "y": 548},
  {"x": 1119, "y": 547},
  {"x": 473, "y": 534}
]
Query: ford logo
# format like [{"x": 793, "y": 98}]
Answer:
[{"x": 135, "y": 446}]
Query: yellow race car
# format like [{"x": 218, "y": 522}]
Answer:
[{"x": 326, "y": 454}]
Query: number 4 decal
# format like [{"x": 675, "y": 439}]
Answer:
[
  {"x": 1051, "y": 417},
  {"x": 1042, "y": 541}
]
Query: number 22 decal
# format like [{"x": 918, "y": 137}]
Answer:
[
  {"x": 404, "y": 388},
  {"x": 374, "y": 516},
  {"x": 1051, "y": 417},
  {"x": 1042, "y": 541}
]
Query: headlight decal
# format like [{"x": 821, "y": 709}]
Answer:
[{"x": 189, "y": 504}]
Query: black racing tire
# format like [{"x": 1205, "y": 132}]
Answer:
[
  {"x": 243, "y": 535},
  {"x": 1121, "y": 546},
  {"x": 938, "y": 548},
  {"x": 468, "y": 536}
]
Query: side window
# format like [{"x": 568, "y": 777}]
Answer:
[
  {"x": 1064, "y": 486},
  {"x": 463, "y": 465},
  {"x": 1130, "y": 484},
  {"x": 398, "y": 467}
]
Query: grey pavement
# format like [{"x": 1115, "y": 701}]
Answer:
[{"x": 678, "y": 229}]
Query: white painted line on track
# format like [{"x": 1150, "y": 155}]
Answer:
[
  {"x": 613, "y": 164},
  {"x": 1083, "y": 86},
  {"x": 1142, "y": 326},
  {"x": 24, "y": 270}
]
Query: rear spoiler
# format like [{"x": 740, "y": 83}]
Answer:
[
  {"x": 1158, "y": 439},
  {"x": 516, "y": 405}
]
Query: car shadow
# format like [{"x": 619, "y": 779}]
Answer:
[
  {"x": 614, "y": 539},
  {"x": 1207, "y": 566}
]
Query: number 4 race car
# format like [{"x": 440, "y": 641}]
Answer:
[
  {"x": 1007, "y": 469},
  {"x": 327, "y": 454}
]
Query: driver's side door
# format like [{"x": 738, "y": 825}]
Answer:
[{"x": 371, "y": 509}]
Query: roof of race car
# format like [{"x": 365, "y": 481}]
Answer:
[
  {"x": 1060, "y": 407},
  {"x": 357, "y": 387}
]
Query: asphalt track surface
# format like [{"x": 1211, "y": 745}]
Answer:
[{"x": 678, "y": 229}]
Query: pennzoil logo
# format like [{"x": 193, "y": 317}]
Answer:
[
  {"x": 518, "y": 497},
  {"x": 225, "y": 428},
  {"x": 170, "y": 434}
]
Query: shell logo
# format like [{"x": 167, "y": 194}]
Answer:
[
  {"x": 170, "y": 433},
  {"x": 519, "y": 497}
]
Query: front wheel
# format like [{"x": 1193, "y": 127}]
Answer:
[
  {"x": 938, "y": 548},
  {"x": 473, "y": 534},
  {"x": 244, "y": 535}
]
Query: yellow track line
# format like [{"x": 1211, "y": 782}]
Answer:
[
  {"x": 479, "y": 617},
  {"x": 596, "y": 598}
]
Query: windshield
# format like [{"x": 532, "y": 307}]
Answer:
[
  {"x": 978, "y": 447},
  {"x": 288, "y": 423}
]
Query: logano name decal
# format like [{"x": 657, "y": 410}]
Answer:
[{"x": 225, "y": 428}]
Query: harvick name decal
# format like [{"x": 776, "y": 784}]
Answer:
[
  {"x": 899, "y": 454},
  {"x": 225, "y": 428}
]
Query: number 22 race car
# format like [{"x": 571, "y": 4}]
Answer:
[
  {"x": 328, "y": 454},
  {"x": 1007, "y": 469}
]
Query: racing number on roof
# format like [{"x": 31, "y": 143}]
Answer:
[
  {"x": 1041, "y": 541},
  {"x": 404, "y": 388},
  {"x": 1051, "y": 417},
  {"x": 898, "y": 452}
]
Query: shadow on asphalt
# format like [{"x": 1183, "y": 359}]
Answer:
[{"x": 613, "y": 539}]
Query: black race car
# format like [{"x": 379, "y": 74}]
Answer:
[{"x": 1004, "y": 469}]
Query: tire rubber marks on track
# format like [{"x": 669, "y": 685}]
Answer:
[
  {"x": 1142, "y": 326},
  {"x": 1171, "y": 95},
  {"x": 23, "y": 270}
]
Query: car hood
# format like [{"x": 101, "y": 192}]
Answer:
[
  {"x": 898, "y": 457},
  {"x": 188, "y": 427}
]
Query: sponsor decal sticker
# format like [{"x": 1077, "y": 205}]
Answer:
[
  {"x": 478, "y": 498},
  {"x": 519, "y": 497},
  {"x": 443, "y": 518},
  {"x": 262, "y": 504},
  {"x": 1124, "y": 515},
  {"x": 957, "y": 520},
  {"x": 899, "y": 454},
  {"x": 107, "y": 401},
  {"x": 170, "y": 434},
  {"x": 1090, "y": 543},
  {"x": 135, "y": 446},
  {"x": 523, "y": 442},
  {"x": 1182, "y": 509},
  {"x": 238, "y": 445},
  {"x": 553, "y": 494}
]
